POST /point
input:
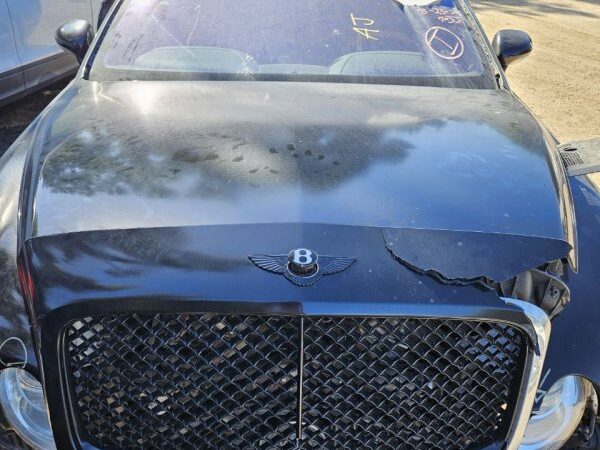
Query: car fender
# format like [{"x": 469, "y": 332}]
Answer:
[
  {"x": 16, "y": 345},
  {"x": 575, "y": 341}
]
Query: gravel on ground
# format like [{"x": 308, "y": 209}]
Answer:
[{"x": 560, "y": 80}]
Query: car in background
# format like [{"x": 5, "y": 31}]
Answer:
[
  {"x": 29, "y": 56},
  {"x": 297, "y": 224}
]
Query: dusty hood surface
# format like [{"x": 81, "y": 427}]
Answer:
[{"x": 156, "y": 154}]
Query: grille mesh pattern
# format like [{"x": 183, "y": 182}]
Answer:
[
  {"x": 406, "y": 383},
  {"x": 183, "y": 381}
]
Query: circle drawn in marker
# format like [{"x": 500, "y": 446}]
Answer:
[{"x": 444, "y": 43}]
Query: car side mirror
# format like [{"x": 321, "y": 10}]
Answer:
[
  {"x": 511, "y": 46},
  {"x": 76, "y": 37}
]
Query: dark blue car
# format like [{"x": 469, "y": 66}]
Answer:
[{"x": 296, "y": 224}]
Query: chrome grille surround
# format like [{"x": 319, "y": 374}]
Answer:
[{"x": 259, "y": 427}]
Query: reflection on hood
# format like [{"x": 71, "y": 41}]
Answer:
[{"x": 127, "y": 155}]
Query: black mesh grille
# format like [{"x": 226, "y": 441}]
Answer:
[
  {"x": 407, "y": 383},
  {"x": 185, "y": 381},
  {"x": 178, "y": 381}
]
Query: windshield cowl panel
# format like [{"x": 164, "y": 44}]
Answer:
[{"x": 382, "y": 41}]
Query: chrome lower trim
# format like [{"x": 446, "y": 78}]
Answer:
[{"x": 533, "y": 371}]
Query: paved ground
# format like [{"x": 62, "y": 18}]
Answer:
[
  {"x": 15, "y": 117},
  {"x": 560, "y": 81}
]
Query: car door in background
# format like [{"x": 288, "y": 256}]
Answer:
[
  {"x": 34, "y": 24},
  {"x": 11, "y": 74}
]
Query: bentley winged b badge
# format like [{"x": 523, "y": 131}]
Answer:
[{"x": 302, "y": 266}]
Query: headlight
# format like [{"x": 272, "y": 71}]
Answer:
[
  {"x": 22, "y": 400},
  {"x": 559, "y": 415}
]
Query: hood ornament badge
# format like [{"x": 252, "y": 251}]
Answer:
[{"x": 302, "y": 266}]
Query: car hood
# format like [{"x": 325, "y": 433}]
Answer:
[{"x": 118, "y": 155}]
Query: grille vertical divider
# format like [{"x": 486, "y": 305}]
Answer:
[
  {"x": 360, "y": 392},
  {"x": 300, "y": 380}
]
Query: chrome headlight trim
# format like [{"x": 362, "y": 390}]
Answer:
[{"x": 541, "y": 328}]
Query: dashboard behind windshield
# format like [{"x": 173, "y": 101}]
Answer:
[{"x": 420, "y": 42}]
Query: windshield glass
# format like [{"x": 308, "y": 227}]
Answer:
[{"x": 421, "y": 42}]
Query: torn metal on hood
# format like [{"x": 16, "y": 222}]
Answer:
[{"x": 524, "y": 267}]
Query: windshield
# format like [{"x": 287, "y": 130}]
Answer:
[{"x": 421, "y": 42}]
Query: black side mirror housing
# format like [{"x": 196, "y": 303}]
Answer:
[
  {"x": 511, "y": 46},
  {"x": 76, "y": 37}
]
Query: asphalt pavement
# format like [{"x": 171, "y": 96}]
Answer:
[{"x": 15, "y": 117}]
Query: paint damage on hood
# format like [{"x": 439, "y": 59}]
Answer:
[{"x": 524, "y": 267}]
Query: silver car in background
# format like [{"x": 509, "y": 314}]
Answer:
[{"x": 29, "y": 55}]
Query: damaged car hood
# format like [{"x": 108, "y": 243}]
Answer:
[{"x": 123, "y": 155}]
